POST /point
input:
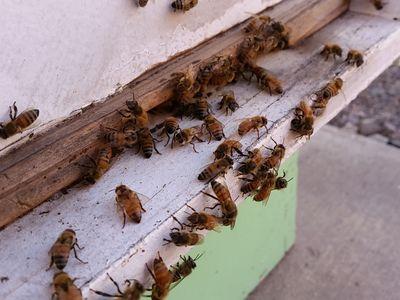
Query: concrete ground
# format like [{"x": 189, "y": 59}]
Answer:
[{"x": 348, "y": 236}]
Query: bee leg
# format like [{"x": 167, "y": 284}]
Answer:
[
  {"x": 141, "y": 207},
  {"x": 51, "y": 263},
  {"x": 13, "y": 111},
  {"x": 139, "y": 148},
  {"x": 190, "y": 207},
  {"x": 258, "y": 134},
  {"x": 123, "y": 226},
  {"x": 151, "y": 272},
  {"x": 155, "y": 148},
  {"x": 198, "y": 139},
  {"x": 167, "y": 242},
  {"x": 209, "y": 140},
  {"x": 79, "y": 247},
  {"x": 194, "y": 147},
  {"x": 169, "y": 138},
  {"x": 173, "y": 217},
  {"x": 209, "y": 195},
  {"x": 103, "y": 294},
  {"x": 124, "y": 115},
  {"x": 213, "y": 207},
  {"x": 115, "y": 283},
  {"x": 76, "y": 256}
]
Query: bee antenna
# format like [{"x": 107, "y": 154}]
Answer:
[
  {"x": 110, "y": 191},
  {"x": 290, "y": 179},
  {"x": 198, "y": 256}
]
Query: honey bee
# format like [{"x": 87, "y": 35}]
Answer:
[
  {"x": 378, "y": 4},
  {"x": 266, "y": 80},
  {"x": 184, "y": 5},
  {"x": 181, "y": 237},
  {"x": 146, "y": 142},
  {"x": 99, "y": 167},
  {"x": 186, "y": 85},
  {"x": 186, "y": 136},
  {"x": 64, "y": 288},
  {"x": 254, "y": 159},
  {"x": 256, "y": 181},
  {"x": 224, "y": 198},
  {"x": 169, "y": 127},
  {"x": 330, "y": 90},
  {"x": 281, "y": 182},
  {"x": 266, "y": 187},
  {"x": 331, "y": 50},
  {"x": 214, "y": 128},
  {"x": 355, "y": 58},
  {"x": 276, "y": 156},
  {"x": 201, "y": 108},
  {"x": 224, "y": 71},
  {"x": 184, "y": 269},
  {"x": 216, "y": 168},
  {"x": 227, "y": 147},
  {"x": 162, "y": 279},
  {"x": 119, "y": 139},
  {"x": 228, "y": 102},
  {"x": 60, "y": 250},
  {"x": 203, "y": 220},
  {"x": 133, "y": 291},
  {"x": 257, "y": 24},
  {"x": 142, "y": 3},
  {"x": 18, "y": 123},
  {"x": 130, "y": 203},
  {"x": 136, "y": 113},
  {"x": 253, "y": 123},
  {"x": 303, "y": 121}
]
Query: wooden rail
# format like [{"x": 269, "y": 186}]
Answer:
[{"x": 46, "y": 164}]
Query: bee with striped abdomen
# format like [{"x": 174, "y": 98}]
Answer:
[
  {"x": 162, "y": 279},
  {"x": 181, "y": 237},
  {"x": 224, "y": 198},
  {"x": 184, "y": 5},
  {"x": 254, "y": 183},
  {"x": 228, "y": 102},
  {"x": 214, "y": 128},
  {"x": 60, "y": 250},
  {"x": 130, "y": 203},
  {"x": 227, "y": 147},
  {"x": 135, "y": 113},
  {"x": 100, "y": 166},
  {"x": 201, "y": 108},
  {"x": 119, "y": 139},
  {"x": 133, "y": 291},
  {"x": 187, "y": 136},
  {"x": 266, "y": 187},
  {"x": 253, "y": 123},
  {"x": 254, "y": 159},
  {"x": 218, "y": 167},
  {"x": 276, "y": 156},
  {"x": 355, "y": 58},
  {"x": 64, "y": 288},
  {"x": 18, "y": 123},
  {"x": 303, "y": 122},
  {"x": 169, "y": 127},
  {"x": 203, "y": 220},
  {"x": 146, "y": 142},
  {"x": 266, "y": 80},
  {"x": 184, "y": 269},
  {"x": 330, "y": 90},
  {"x": 331, "y": 50}
]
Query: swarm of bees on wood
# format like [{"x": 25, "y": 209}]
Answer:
[{"x": 258, "y": 172}]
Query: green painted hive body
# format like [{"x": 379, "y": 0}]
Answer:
[{"x": 235, "y": 261}]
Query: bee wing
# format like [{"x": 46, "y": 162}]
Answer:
[{"x": 143, "y": 198}]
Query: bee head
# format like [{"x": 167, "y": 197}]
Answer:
[
  {"x": 194, "y": 218},
  {"x": 119, "y": 190},
  {"x": 281, "y": 183},
  {"x": 339, "y": 83},
  {"x": 133, "y": 106}
]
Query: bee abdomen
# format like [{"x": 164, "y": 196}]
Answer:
[
  {"x": 27, "y": 118},
  {"x": 206, "y": 174},
  {"x": 60, "y": 261}
]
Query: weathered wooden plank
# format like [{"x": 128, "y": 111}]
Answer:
[
  {"x": 45, "y": 164},
  {"x": 172, "y": 176}
]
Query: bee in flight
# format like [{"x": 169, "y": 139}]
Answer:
[
  {"x": 18, "y": 122},
  {"x": 130, "y": 203},
  {"x": 228, "y": 102},
  {"x": 355, "y": 58},
  {"x": 253, "y": 123},
  {"x": 184, "y": 269},
  {"x": 184, "y": 5},
  {"x": 162, "y": 279},
  {"x": 64, "y": 288},
  {"x": 187, "y": 136},
  {"x": 60, "y": 250},
  {"x": 181, "y": 237},
  {"x": 133, "y": 291},
  {"x": 331, "y": 50}
]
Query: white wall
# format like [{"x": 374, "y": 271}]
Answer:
[{"x": 59, "y": 56}]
